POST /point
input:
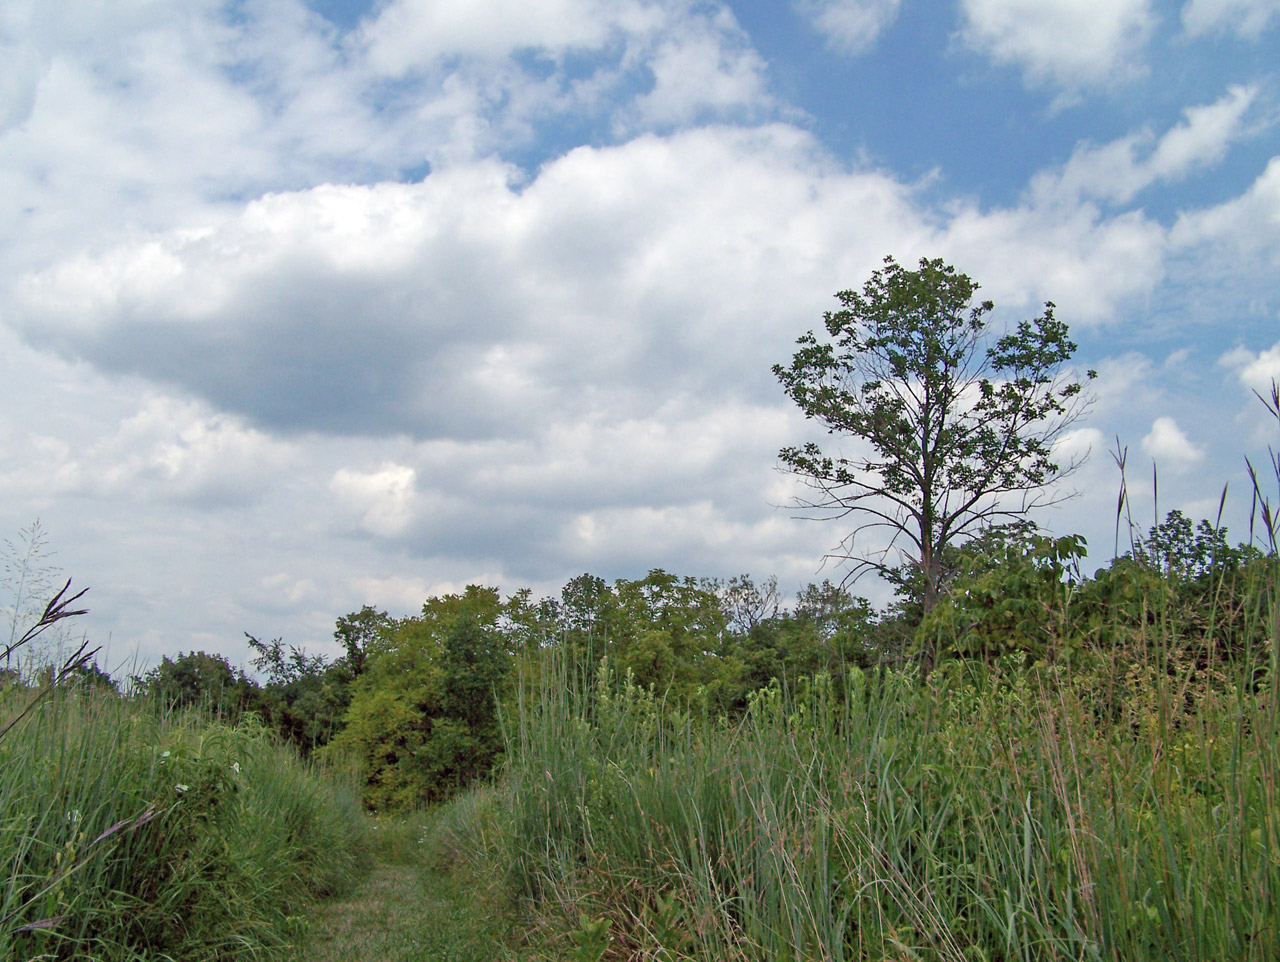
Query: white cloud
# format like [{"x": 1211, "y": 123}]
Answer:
[
  {"x": 1168, "y": 445},
  {"x": 1070, "y": 44},
  {"x": 285, "y": 592},
  {"x": 455, "y": 305},
  {"x": 1247, "y": 18},
  {"x": 1247, "y": 225},
  {"x": 1087, "y": 264},
  {"x": 396, "y": 593},
  {"x": 383, "y": 500},
  {"x": 409, "y": 34},
  {"x": 1201, "y": 139},
  {"x": 497, "y": 68},
  {"x": 703, "y": 70},
  {"x": 171, "y": 450},
  {"x": 1255, "y": 371},
  {"x": 1078, "y": 444},
  {"x": 470, "y": 305},
  {"x": 1118, "y": 170},
  {"x": 102, "y": 137},
  {"x": 850, "y": 26}
]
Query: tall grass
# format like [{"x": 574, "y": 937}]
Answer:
[
  {"x": 1011, "y": 816},
  {"x": 126, "y": 833},
  {"x": 1118, "y": 804}
]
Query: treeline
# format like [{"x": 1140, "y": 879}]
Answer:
[{"x": 419, "y": 702}]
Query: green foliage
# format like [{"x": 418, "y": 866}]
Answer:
[
  {"x": 128, "y": 834},
  {"x": 423, "y": 718},
  {"x": 198, "y": 679},
  {"x": 1013, "y": 598},
  {"x": 304, "y": 698},
  {"x": 953, "y": 422},
  {"x": 988, "y": 817},
  {"x": 359, "y": 633},
  {"x": 660, "y": 628},
  {"x": 1178, "y": 549}
]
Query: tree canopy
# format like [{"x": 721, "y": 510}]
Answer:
[{"x": 950, "y": 429}]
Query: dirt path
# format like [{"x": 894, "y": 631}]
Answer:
[{"x": 403, "y": 913}]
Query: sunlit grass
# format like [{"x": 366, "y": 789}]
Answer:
[{"x": 1019, "y": 816}]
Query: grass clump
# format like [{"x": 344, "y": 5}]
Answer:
[{"x": 126, "y": 833}]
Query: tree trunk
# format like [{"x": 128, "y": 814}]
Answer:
[{"x": 932, "y": 594}]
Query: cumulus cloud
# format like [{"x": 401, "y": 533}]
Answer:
[
  {"x": 1076, "y": 445},
  {"x": 284, "y": 592},
  {"x": 397, "y": 593},
  {"x": 1248, "y": 225},
  {"x": 1168, "y": 445},
  {"x": 1256, "y": 370},
  {"x": 1246, "y": 18},
  {"x": 383, "y": 500},
  {"x": 475, "y": 304},
  {"x": 707, "y": 69},
  {"x": 1067, "y": 44},
  {"x": 1086, "y": 263},
  {"x": 1118, "y": 170},
  {"x": 170, "y": 450},
  {"x": 503, "y": 70},
  {"x": 411, "y": 33},
  {"x": 101, "y": 130},
  {"x": 850, "y": 26},
  {"x": 463, "y": 305}
]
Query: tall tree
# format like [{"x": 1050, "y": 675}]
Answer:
[{"x": 951, "y": 429}]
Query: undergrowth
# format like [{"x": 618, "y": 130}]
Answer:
[{"x": 127, "y": 833}]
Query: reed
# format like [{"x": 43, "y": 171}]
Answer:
[{"x": 998, "y": 815}]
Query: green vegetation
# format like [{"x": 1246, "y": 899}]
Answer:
[
  {"x": 423, "y": 715},
  {"x": 958, "y": 425},
  {"x": 1118, "y": 804},
  {"x": 674, "y": 768},
  {"x": 1089, "y": 773},
  {"x": 129, "y": 833},
  {"x": 411, "y": 908}
]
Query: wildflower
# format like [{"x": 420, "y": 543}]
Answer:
[
  {"x": 180, "y": 788},
  {"x": 73, "y": 816},
  {"x": 235, "y": 767}
]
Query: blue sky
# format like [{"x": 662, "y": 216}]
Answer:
[{"x": 307, "y": 306}]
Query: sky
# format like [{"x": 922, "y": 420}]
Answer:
[{"x": 311, "y": 305}]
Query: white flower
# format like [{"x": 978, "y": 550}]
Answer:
[
  {"x": 180, "y": 787},
  {"x": 73, "y": 815},
  {"x": 235, "y": 767}
]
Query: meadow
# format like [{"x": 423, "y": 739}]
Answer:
[
  {"x": 992, "y": 821},
  {"x": 1090, "y": 773},
  {"x": 128, "y": 832}
]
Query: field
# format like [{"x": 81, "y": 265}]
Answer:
[{"x": 956, "y": 821}]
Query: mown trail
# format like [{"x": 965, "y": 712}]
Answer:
[{"x": 404, "y": 912}]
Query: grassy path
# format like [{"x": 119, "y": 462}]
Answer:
[{"x": 404, "y": 913}]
